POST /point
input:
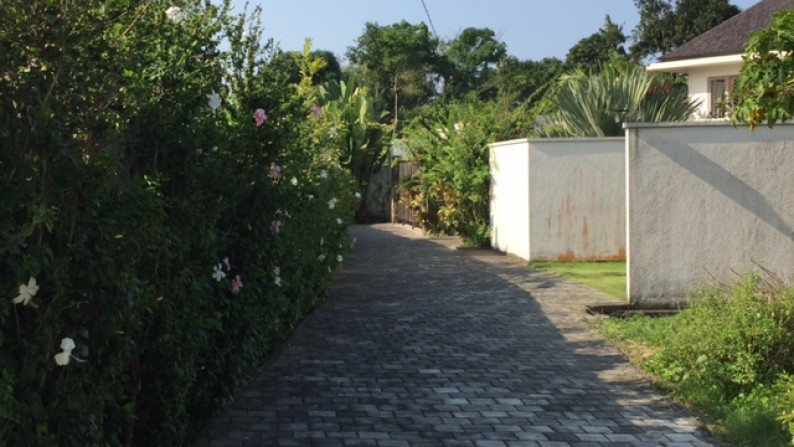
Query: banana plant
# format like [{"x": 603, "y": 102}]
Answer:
[{"x": 360, "y": 125}]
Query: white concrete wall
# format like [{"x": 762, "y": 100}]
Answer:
[
  {"x": 699, "y": 83},
  {"x": 704, "y": 201},
  {"x": 577, "y": 199},
  {"x": 510, "y": 197},
  {"x": 559, "y": 199}
]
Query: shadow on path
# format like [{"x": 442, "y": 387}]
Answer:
[{"x": 422, "y": 344}]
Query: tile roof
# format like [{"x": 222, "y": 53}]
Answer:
[{"x": 730, "y": 36}]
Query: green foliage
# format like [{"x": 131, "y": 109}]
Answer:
[
  {"x": 524, "y": 82},
  {"x": 597, "y": 104},
  {"x": 355, "y": 121},
  {"x": 471, "y": 58},
  {"x": 288, "y": 62},
  {"x": 449, "y": 143},
  {"x": 665, "y": 25},
  {"x": 131, "y": 167},
  {"x": 590, "y": 53},
  {"x": 398, "y": 61},
  {"x": 765, "y": 89},
  {"x": 731, "y": 354},
  {"x": 649, "y": 331}
]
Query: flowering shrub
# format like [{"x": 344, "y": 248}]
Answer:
[{"x": 153, "y": 251}]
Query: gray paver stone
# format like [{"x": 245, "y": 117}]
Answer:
[{"x": 423, "y": 344}]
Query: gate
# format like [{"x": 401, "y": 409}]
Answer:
[{"x": 401, "y": 212}]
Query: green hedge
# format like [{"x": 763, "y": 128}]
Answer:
[{"x": 175, "y": 236}]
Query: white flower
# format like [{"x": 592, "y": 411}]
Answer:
[
  {"x": 26, "y": 293},
  {"x": 277, "y": 276},
  {"x": 332, "y": 203},
  {"x": 322, "y": 241},
  {"x": 332, "y": 132},
  {"x": 310, "y": 196},
  {"x": 321, "y": 258},
  {"x": 217, "y": 273},
  {"x": 323, "y": 174},
  {"x": 213, "y": 100},
  {"x": 175, "y": 14},
  {"x": 339, "y": 220},
  {"x": 294, "y": 181},
  {"x": 357, "y": 194},
  {"x": 339, "y": 258},
  {"x": 62, "y": 358}
]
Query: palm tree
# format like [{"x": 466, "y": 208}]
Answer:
[{"x": 597, "y": 104}]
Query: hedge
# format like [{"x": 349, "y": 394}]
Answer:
[{"x": 169, "y": 216}]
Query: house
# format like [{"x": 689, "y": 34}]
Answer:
[{"x": 712, "y": 60}]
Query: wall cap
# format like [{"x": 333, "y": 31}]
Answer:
[
  {"x": 555, "y": 140},
  {"x": 708, "y": 123}
]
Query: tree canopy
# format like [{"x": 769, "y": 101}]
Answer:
[
  {"x": 666, "y": 24},
  {"x": 471, "y": 59},
  {"x": 595, "y": 50},
  {"x": 524, "y": 81},
  {"x": 400, "y": 60}
]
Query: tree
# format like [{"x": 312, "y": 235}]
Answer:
[
  {"x": 664, "y": 25},
  {"x": 471, "y": 59},
  {"x": 591, "y": 52},
  {"x": 524, "y": 81},
  {"x": 399, "y": 61},
  {"x": 765, "y": 88},
  {"x": 286, "y": 62}
]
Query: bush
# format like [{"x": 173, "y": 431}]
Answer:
[
  {"x": 175, "y": 233},
  {"x": 449, "y": 143},
  {"x": 732, "y": 353}
]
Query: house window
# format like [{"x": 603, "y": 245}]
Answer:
[{"x": 720, "y": 94}]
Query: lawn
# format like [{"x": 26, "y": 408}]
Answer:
[{"x": 608, "y": 277}]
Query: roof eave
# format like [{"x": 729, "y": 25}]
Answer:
[{"x": 683, "y": 65}]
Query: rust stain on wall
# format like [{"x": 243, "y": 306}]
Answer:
[{"x": 570, "y": 256}]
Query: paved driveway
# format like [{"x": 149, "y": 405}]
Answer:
[{"x": 422, "y": 344}]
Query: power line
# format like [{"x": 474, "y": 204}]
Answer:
[{"x": 433, "y": 27}]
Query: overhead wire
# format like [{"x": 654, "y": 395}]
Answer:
[{"x": 429, "y": 19}]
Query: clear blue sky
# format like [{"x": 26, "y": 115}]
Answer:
[{"x": 532, "y": 29}]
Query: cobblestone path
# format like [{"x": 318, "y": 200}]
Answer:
[{"x": 422, "y": 344}]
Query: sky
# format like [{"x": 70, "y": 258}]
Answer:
[{"x": 532, "y": 29}]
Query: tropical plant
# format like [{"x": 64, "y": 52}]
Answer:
[
  {"x": 355, "y": 122},
  {"x": 449, "y": 143},
  {"x": 597, "y": 104}
]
